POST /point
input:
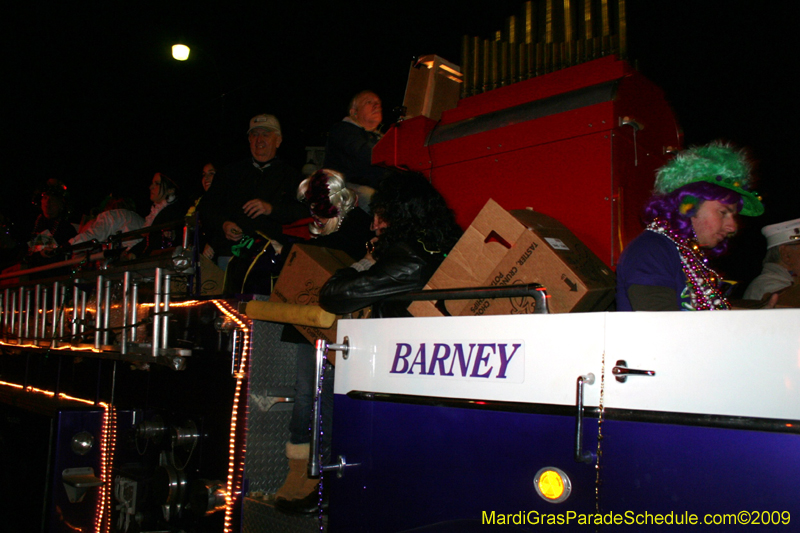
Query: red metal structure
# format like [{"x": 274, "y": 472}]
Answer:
[{"x": 580, "y": 144}]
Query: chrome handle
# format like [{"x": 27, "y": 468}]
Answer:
[
  {"x": 339, "y": 467},
  {"x": 580, "y": 455},
  {"x": 621, "y": 371},
  {"x": 321, "y": 349}
]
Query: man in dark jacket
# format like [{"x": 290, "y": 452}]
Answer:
[
  {"x": 350, "y": 143},
  {"x": 257, "y": 193}
]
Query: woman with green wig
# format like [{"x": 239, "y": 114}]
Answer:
[{"x": 691, "y": 215}]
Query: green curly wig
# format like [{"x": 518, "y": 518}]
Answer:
[{"x": 717, "y": 163}]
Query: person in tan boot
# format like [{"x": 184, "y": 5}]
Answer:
[{"x": 297, "y": 484}]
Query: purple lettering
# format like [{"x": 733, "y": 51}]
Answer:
[
  {"x": 419, "y": 359},
  {"x": 501, "y": 374},
  {"x": 481, "y": 358},
  {"x": 399, "y": 355},
  {"x": 440, "y": 359},
  {"x": 458, "y": 353}
]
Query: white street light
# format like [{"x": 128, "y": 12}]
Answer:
[{"x": 180, "y": 52}]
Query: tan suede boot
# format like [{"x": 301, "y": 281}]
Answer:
[{"x": 297, "y": 485}]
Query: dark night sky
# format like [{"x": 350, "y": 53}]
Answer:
[{"x": 94, "y": 98}]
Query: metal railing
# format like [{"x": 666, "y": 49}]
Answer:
[{"x": 74, "y": 310}]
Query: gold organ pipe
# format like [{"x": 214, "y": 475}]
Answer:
[{"x": 548, "y": 35}]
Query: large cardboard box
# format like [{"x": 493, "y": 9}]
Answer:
[
  {"x": 306, "y": 270},
  {"x": 517, "y": 247}
]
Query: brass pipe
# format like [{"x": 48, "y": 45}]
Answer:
[
  {"x": 476, "y": 71},
  {"x": 528, "y": 15},
  {"x": 495, "y": 75},
  {"x": 622, "y": 30},
  {"x": 504, "y": 72},
  {"x": 466, "y": 68}
]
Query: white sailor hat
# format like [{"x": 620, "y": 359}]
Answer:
[{"x": 782, "y": 233}]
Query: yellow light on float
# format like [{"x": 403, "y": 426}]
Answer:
[
  {"x": 552, "y": 484},
  {"x": 180, "y": 52}
]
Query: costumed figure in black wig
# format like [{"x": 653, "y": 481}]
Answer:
[{"x": 415, "y": 231}]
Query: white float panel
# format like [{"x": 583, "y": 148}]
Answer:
[
  {"x": 733, "y": 363},
  {"x": 516, "y": 358}
]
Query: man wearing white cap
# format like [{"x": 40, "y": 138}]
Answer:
[
  {"x": 782, "y": 262},
  {"x": 257, "y": 194}
]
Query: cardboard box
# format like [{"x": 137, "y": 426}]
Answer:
[
  {"x": 504, "y": 248},
  {"x": 306, "y": 270}
]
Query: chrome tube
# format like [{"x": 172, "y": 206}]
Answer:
[
  {"x": 56, "y": 295},
  {"x": 157, "y": 311},
  {"x": 27, "y": 314},
  {"x": 581, "y": 456},
  {"x": 37, "y": 302},
  {"x": 21, "y": 305},
  {"x": 82, "y": 325},
  {"x": 165, "y": 318},
  {"x": 62, "y": 302},
  {"x": 98, "y": 315},
  {"x": 126, "y": 287},
  {"x": 106, "y": 312},
  {"x": 314, "y": 461},
  {"x": 6, "y": 309},
  {"x": 45, "y": 294},
  {"x": 13, "y": 311},
  {"x": 75, "y": 311},
  {"x": 134, "y": 310}
]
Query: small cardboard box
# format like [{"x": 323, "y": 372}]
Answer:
[
  {"x": 504, "y": 248},
  {"x": 306, "y": 270}
]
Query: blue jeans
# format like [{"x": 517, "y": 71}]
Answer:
[{"x": 300, "y": 424}]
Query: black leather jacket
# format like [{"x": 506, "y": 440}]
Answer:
[{"x": 402, "y": 268}]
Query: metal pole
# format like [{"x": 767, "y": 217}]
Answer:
[
  {"x": 126, "y": 287},
  {"x": 45, "y": 293},
  {"x": 75, "y": 311},
  {"x": 27, "y": 314},
  {"x": 56, "y": 295},
  {"x": 106, "y": 311},
  {"x": 165, "y": 318},
  {"x": 82, "y": 325},
  {"x": 314, "y": 466},
  {"x": 62, "y": 301},
  {"x": 13, "y": 311},
  {"x": 157, "y": 311},
  {"x": 6, "y": 308},
  {"x": 98, "y": 315},
  {"x": 134, "y": 310},
  {"x": 37, "y": 302},
  {"x": 21, "y": 307}
]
